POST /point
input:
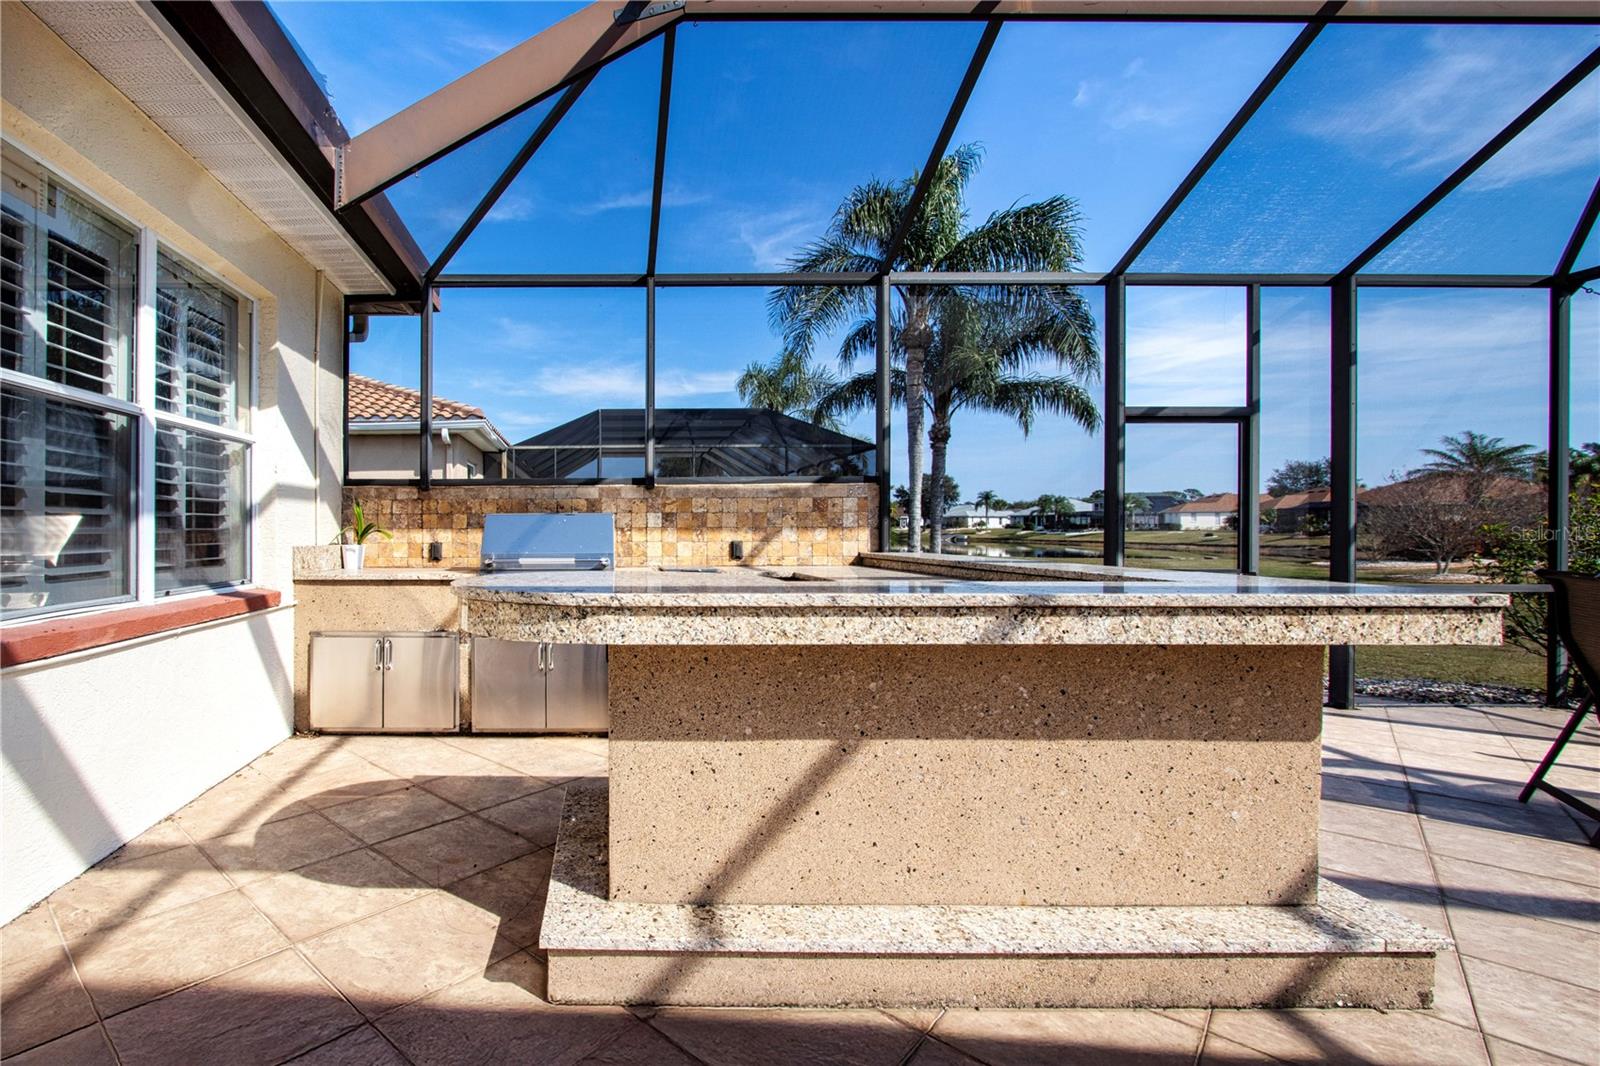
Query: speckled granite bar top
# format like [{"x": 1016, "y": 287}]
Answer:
[
  {"x": 580, "y": 918},
  {"x": 862, "y": 586}
]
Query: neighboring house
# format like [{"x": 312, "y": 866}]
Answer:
[
  {"x": 384, "y": 440},
  {"x": 1218, "y": 511},
  {"x": 172, "y": 319},
  {"x": 1292, "y": 511}
]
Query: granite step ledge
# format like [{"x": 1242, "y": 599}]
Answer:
[{"x": 1343, "y": 951}]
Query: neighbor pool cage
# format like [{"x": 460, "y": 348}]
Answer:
[{"x": 561, "y": 63}]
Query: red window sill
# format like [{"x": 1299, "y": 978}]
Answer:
[{"x": 31, "y": 641}]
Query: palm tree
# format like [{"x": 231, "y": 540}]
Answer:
[
  {"x": 986, "y": 499},
  {"x": 980, "y": 354},
  {"x": 1478, "y": 456},
  {"x": 789, "y": 385},
  {"x": 1041, "y": 236},
  {"x": 1583, "y": 466}
]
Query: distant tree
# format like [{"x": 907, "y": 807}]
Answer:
[
  {"x": 986, "y": 500},
  {"x": 1098, "y": 498},
  {"x": 790, "y": 385},
  {"x": 1513, "y": 552},
  {"x": 1583, "y": 467},
  {"x": 1442, "y": 517},
  {"x": 1478, "y": 455},
  {"x": 1191, "y": 494},
  {"x": 1300, "y": 475},
  {"x": 1133, "y": 503},
  {"x": 952, "y": 494}
]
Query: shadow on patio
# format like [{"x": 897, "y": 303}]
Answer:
[{"x": 377, "y": 899}]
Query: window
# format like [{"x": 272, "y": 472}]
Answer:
[{"x": 78, "y": 450}]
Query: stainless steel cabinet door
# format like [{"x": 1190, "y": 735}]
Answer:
[
  {"x": 576, "y": 694},
  {"x": 507, "y": 686},
  {"x": 419, "y": 681},
  {"x": 347, "y": 681}
]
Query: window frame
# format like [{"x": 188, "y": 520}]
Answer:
[{"x": 145, "y": 415}]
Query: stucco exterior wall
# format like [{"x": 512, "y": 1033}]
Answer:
[
  {"x": 381, "y": 455},
  {"x": 101, "y": 745},
  {"x": 779, "y": 523}
]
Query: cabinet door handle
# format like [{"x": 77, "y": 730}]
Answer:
[
  {"x": 388, "y": 654},
  {"x": 377, "y": 654},
  {"x": 541, "y": 658},
  {"x": 549, "y": 659}
]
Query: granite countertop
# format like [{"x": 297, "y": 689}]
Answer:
[
  {"x": 860, "y": 605},
  {"x": 874, "y": 587},
  {"x": 386, "y": 573}
]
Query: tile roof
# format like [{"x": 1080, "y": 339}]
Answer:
[
  {"x": 1217, "y": 503},
  {"x": 1292, "y": 500},
  {"x": 372, "y": 400}
]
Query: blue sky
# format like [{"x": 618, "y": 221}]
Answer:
[{"x": 773, "y": 123}]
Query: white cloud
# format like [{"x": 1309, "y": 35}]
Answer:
[
  {"x": 773, "y": 238},
  {"x": 679, "y": 384},
  {"x": 635, "y": 200},
  {"x": 517, "y": 208}
]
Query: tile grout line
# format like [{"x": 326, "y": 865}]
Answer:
[
  {"x": 1472, "y": 1001},
  {"x": 99, "y": 1019}
]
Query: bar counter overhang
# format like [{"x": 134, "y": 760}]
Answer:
[{"x": 931, "y": 781}]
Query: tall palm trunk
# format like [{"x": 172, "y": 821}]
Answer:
[
  {"x": 916, "y": 337},
  {"x": 939, "y": 441}
]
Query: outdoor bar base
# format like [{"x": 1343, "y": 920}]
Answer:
[
  {"x": 1340, "y": 951},
  {"x": 845, "y": 786}
]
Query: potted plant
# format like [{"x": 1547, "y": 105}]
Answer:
[{"x": 355, "y": 551}]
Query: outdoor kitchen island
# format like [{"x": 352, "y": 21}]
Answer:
[{"x": 859, "y": 785}]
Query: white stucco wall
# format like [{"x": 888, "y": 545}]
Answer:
[{"x": 100, "y": 745}]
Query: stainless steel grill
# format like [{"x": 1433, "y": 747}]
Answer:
[
  {"x": 513, "y": 542},
  {"x": 526, "y": 687}
]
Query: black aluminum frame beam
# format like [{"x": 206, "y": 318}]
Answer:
[
  {"x": 1114, "y": 418},
  {"x": 1280, "y": 70},
  {"x": 1075, "y": 278},
  {"x": 883, "y": 406},
  {"x": 542, "y": 133},
  {"x": 1178, "y": 415},
  {"x": 1342, "y": 517},
  {"x": 425, "y": 395},
  {"x": 663, "y": 111},
  {"x": 1470, "y": 165},
  {"x": 1580, "y": 232},
  {"x": 1250, "y": 440},
  {"x": 1558, "y": 482},
  {"x": 941, "y": 142}
]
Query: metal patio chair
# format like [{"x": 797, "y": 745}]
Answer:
[{"x": 1575, "y": 609}]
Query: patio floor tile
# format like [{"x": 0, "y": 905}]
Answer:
[
  {"x": 1548, "y": 948},
  {"x": 1374, "y": 859},
  {"x": 1510, "y": 890},
  {"x": 85, "y": 1047},
  {"x": 120, "y": 892},
  {"x": 448, "y": 852},
  {"x": 362, "y": 1047},
  {"x": 391, "y": 958},
  {"x": 1372, "y": 823},
  {"x": 932, "y": 1053},
  {"x": 1074, "y": 1037},
  {"x": 243, "y": 801},
  {"x": 1535, "y": 1011},
  {"x": 392, "y": 814},
  {"x": 40, "y": 999},
  {"x": 333, "y": 892},
  {"x": 500, "y": 1015},
  {"x": 1397, "y": 1038},
  {"x": 1505, "y": 1053},
  {"x": 474, "y": 792},
  {"x": 440, "y": 967},
  {"x": 752, "y": 1037},
  {"x": 343, "y": 783},
  {"x": 639, "y": 1045},
  {"x": 128, "y": 965},
  {"x": 33, "y": 930},
  {"x": 513, "y": 892},
  {"x": 277, "y": 846},
  {"x": 536, "y": 817},
  {"x": 267, "y": 1011}
]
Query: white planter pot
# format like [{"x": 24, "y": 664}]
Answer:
[{"x": 354, "y": 555}]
